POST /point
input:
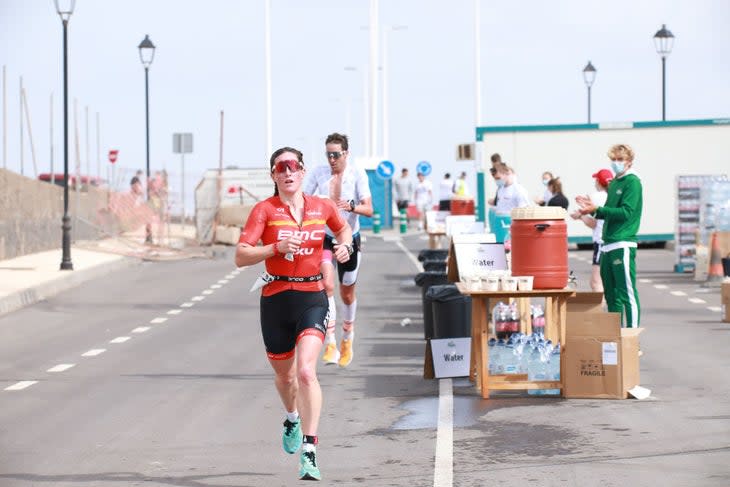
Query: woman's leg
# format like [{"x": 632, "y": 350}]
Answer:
[
  {"x": 309, "y": 399},
  {"x": 285, "y": 379}
]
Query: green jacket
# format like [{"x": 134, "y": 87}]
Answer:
[{"x": 622, "y": 212}]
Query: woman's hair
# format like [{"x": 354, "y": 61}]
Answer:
[
  {"x": 277, "y": 153},
  {"x": 556, "y": 185},
  {"x": 504, "y": 168}
]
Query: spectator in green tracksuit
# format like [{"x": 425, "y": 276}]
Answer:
[{"x": 622, "y": 217}]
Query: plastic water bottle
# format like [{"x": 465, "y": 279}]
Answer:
[
  {"x": 536, "y": 369},
  {"x": 553, "y": 369},
  {"x": 538, "y": 319},
  {"x": 492, "y": 352},
  {"x": 510, "y": 359},
  {"x": 499, "y": 349}
]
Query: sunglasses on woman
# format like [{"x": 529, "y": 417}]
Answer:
[{"x": 292, "y": 165}]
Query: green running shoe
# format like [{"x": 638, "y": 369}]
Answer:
[
  {"x": 308, "y": 469},
  {"x": 291, "y": 437}
]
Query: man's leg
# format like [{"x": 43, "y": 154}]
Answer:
[
  {"x": 627, "y": 284},
  {"x": 331, "y": 354},
  {"x": 348, "y": 277},
  {"x": 609, "y": 286}
]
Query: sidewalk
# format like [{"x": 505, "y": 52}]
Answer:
[{"x": 32, "y": 278}]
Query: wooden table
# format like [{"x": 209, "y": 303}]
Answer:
[
  {"x": 434, "y": 238},
  {"x": 555, "y": 316}
]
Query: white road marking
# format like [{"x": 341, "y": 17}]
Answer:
[
  {"x": 646, "y": 281},
  {"x": 197, "y": 298},
  {"x": 660, "y": 286},
  {"x": 60, "y": 367},
  {"x": 119, "y": 340},
  {"x": 174, "y": 312},
  {"x": 94, "y": 352},
  {"x": 187, "y": 305},
  {"x": 19, "y": 386},
  {"x": 215, "y": 286},
  {"x": 697, "y": 300},
  {"x": 410, "y": 255},
  {"x": 223, "y": 281},
  {"x": 716, "y": 309},
  {"x": 158, "y": 320},
  {"x": 231, "y": 276},
  {"x": 678, "y": 293},
  {"x": 443, "y": 473},
  {"x": 207, "y": 292},
  {"x": 141, "y": 329}
]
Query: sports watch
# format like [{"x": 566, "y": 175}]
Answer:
[{"x": 352, "y": 205}]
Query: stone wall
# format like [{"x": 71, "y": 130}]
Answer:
[{"x": 31, "y": 212}]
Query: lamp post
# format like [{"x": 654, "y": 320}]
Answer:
[
  {"x": 664, "y": 41},
  {"x": 589, "y": 76},
  {"x": 65, "y": 9},
  {"x": 386, "y": 112},
  {"x": 147, "y": 55}
]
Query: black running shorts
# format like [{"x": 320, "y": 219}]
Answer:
[
  {"x": 289, "y": 315},
  {"x": 351, "y": 264}
]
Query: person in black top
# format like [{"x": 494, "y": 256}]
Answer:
[{"x": 555, "y": 186}]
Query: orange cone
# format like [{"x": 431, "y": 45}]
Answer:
[{"x": 715, "y": 274}]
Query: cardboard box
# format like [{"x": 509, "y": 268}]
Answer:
[
  {"x": 601, "y": 358},
  {"x": 585, "y": 302},
  {"x": 725, "y": 300}
]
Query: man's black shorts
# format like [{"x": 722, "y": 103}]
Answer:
[{"x": 351, "y": 264}]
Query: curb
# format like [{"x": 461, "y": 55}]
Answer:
[{"x": 32, "y": 295}]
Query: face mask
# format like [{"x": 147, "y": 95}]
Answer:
[
  {"x": 618, "y": 167},
  {"x": 500, "y": 183},
  {"x": 545, "y": 182}
]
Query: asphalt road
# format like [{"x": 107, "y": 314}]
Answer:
[{"x": 188, "y": 399}]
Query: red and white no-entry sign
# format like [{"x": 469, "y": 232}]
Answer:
[{"x": 113, "y": 155}]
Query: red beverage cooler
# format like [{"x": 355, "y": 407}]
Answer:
[
  {"x": 540, "y": 245},
  {"x": 462, "y": 206}
]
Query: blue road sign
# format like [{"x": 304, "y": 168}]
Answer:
[
  {"x": 424, "y": 167},
  {"x": 385, "y": 169}
]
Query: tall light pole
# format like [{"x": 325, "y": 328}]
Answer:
[
  {"x": 65, "y": 9},
  {"x": 589, "y": 76},
  {"x": 373, "y": 77},
  {"x": 147, "y": 55},
  {"x": 664, "y": 41},
  {"x": 386, "y": 113},
  {"x": 366, "y": 106}
]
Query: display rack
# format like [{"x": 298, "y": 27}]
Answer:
[{"x": 692, "y": 219}]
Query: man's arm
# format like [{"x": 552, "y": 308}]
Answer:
[{"x": 628, "y": 207}]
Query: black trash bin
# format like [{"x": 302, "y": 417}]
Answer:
[
  {"x": 451, "y": 312},
  {"x": 726, "y": 266},
  {"x": 434, "y": 265},
  {"x": 432, "y": 254},
  {"x": 430, "y": 278}
]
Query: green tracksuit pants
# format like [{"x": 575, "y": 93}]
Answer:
[{"x": 618, "y": 273}]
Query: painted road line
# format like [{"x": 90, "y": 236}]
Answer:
[
  {"x": 223, "y": 281},
  {"x": 410, "y": 255},
  {"x": 19, "y": 386},
  {"x": 197, "y": 298},
  {"x": 215, "y": 286},
  {"x": 94, "y": 352},
  {"x": 646, "y": 281},
  {"x": 678, "y": 293},
  {"x": 158, "y": 320},
  {"x": 60, "y": 367},
  {"x": 119, "y": 340},
  {"x": 174, "y": 312},
  {"x": 231, "y": 276},
  {"x": 141, "y": 329},
  {"x": 660, "y": 286},
  {"x": 207, "y": 292},
  {"x": 187, "y": 305},
  {"x": 443, "y": 468},
  {"x": 716, "y": 309},
  {"x": 697, "y": 301}
]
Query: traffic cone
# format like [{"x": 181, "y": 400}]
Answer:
[{"x": 715, "y": 274}]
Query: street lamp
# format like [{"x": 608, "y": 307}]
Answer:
[
  {"x": 589, "y": 76},
  {"x": 664, "y": 41},
  {"x": 147, "y": 55},
  {"x": 65, "y": 9}
]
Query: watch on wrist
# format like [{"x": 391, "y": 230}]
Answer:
[
  {"x": 350, "y": 249},
  {"x": 352, "y": 205}
]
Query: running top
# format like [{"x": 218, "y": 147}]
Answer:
[
  {"x": 355, "y": 186},
  {"x": 271, "y": 221}
]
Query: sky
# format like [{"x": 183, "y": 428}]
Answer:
[{"x": 210, "y": 58}]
